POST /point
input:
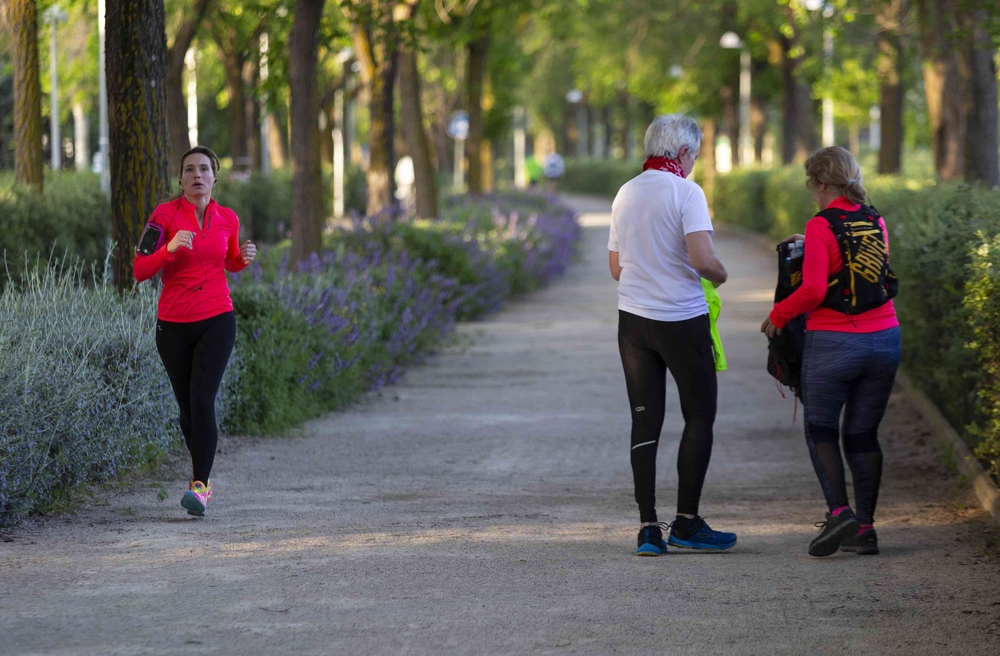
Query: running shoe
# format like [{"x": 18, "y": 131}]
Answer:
[
  {"x": 697, "y": 534},
  {"x": 195, "y": 501},
  {"x": 833, "y": 532},
  {"x": 651, "y": 541},
  {"x": 863, "y": 543}
]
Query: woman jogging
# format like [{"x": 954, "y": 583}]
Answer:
[
  {"x": 852, "y": 346},
  {"x": 659, "y": 249},
  {"x": 194, "y": 241}
]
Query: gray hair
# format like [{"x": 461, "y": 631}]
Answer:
[{"x": 668, "y": 133}]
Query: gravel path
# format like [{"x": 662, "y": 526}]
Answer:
[{"x": 484, "y": 506}]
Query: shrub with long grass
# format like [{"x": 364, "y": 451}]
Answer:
[{"x": 83, "y": 396}]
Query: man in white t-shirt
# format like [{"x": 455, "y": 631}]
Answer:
[{"x": 659, "y": 250}]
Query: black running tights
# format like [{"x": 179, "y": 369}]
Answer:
[
  {"x": 195, "y": 356},
  {"x": 648, "y": 349}
]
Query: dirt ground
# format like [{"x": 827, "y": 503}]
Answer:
[{"x": 484, "y": 505}]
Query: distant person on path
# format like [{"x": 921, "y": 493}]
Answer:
[
  {"x": 553, "y": 168},
  {"x": 852, "y": 345},
  {"x": 194, "y": 241},
  {"x": 660, "y": 249}
]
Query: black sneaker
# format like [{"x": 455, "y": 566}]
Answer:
[
  {"x": 651, "y": 541},
  {"x": 864, "y": 543},
  {"x": 834, "y": 531}
]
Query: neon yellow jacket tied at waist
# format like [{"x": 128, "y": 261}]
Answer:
[{"x": 714, "y": 308}]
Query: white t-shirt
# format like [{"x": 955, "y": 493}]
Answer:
[{"x": 649, "y": 219}]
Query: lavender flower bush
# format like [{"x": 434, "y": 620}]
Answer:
[{"x": 385, "y": 291}]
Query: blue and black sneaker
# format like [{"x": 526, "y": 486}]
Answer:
[
  {"x": 696, "y": 534},
  {"x": 651, "y": 541}
]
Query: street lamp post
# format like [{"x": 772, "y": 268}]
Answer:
[
  {"x": 53, "y": 16},
  {"x": 731, "y": 40},
  {"x": 817, "y": 5},
  {"x": 103, "y": 142},
  {"x": 575, "y": 98}
]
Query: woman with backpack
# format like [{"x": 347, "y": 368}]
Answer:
[{"x": 852, "y": 346}]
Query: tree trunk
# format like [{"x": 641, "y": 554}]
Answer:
[
  {"x": 707, "y": 159},
  {"x": 790, "y": 104},
  {"x": 982, "y": 161},
  {"x": 625, "y": 125},
  {"x": 136, "y": 58},
  {"x": 380, "y": 195},
  {"x": 732, "y": 123},
  {"x": 943, "y": 85},
  {"x": 415, "y": 136},
  {"x": 307, "y": 191},
  {"x": 478, "y": 49},
  {"x": 23, "y": 19},
  {"x": 378, "y": 64},
  {"x": 606, "y": 132},
  {"x": 758, "y": 128},
  {"x": 236, "y": 111},
  {"x": 889, "y": 66},
  {"x": 806, "y": 138},
  {"x": 276, "y": 142},
  {"x": 251, "y": 111},
  {"x": 176, "y": 104}
]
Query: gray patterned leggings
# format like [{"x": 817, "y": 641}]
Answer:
[{"x": 853, "y": 372}]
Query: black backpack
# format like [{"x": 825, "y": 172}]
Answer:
[
  {"x": 784, "y": 351},
  {"x": 866, "y": 280}
]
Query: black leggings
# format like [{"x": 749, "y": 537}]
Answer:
[
  {"x": 648, "y": 349},
  {"x": 195, "y": 356}
]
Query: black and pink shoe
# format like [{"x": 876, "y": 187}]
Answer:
[
  {"x": 838, "y": 527},
  {"x": 863, "y": 543}
]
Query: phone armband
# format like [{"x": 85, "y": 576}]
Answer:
[{"x": 151, "y": 240}]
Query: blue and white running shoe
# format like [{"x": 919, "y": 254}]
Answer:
[{"x": 696, "y": 534}]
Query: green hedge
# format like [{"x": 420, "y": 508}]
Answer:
[
  {"x": 72, "y": 215},
  {"x": 600, "y": 177},
  {"x": 946, "y": 251}
]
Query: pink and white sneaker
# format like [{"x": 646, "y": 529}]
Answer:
[{"x": 195, "y": 501}]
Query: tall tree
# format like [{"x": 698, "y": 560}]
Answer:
[
  {"x": 237, "y": 37},
  {"x": 22, "y": 15},
  {"x": 307, "y": 191},
  {"x": 889, "y": 64},
  {"x": 477, "y": 52},
  {"x": 177, "y": 119},
  {"x": 377, "y": 30},
  {"x": 136, "y": 48},
  {"x": 981, "y": 145},
  {"x": 943, "y": 85},
  {"x": 415, "y": 135}
]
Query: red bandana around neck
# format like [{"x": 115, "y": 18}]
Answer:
[{"x": 664, "y": 164}]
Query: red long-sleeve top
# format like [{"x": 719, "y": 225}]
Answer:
[
  {"x": 194, "y": 280},
  {"x": 822, "y": 260}
]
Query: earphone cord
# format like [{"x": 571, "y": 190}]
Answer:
[{"x": 204, "y": 274}]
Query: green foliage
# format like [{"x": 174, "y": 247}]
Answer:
[
  {"x": 602, "y": 177},
  {"x": 280, "y": 346},
  {"x": 264, "y": 203},
  {"x": 945, "y": 245},
  {"x": 73, "y": 215}
]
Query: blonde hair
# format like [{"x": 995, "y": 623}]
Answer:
[{"x": 836, "y": 167}]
